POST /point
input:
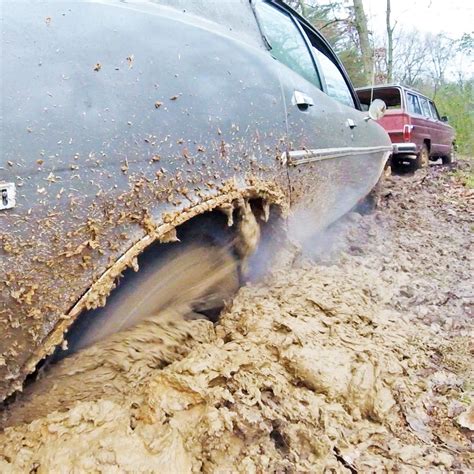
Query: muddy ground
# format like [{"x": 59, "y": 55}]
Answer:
[{"x": 354, "y": 355}]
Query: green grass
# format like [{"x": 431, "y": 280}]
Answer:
[
  {"x": 465, "y": 178},
  {"x": 465, "y": 175}
]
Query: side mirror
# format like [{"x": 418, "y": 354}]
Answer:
[
  {"x": 444, "y": 118},
  {"x": 377, "y": 109}
]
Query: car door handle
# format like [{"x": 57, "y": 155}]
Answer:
[
  {"x": 302, "y": 100},
  {"x": 350, "y": 123}
]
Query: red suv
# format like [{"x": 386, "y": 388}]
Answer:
[{"x": 417, "y": 131}]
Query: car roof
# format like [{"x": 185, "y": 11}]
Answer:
[{"x": 231, "y": 17}]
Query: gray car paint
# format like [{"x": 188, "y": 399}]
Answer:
[{"x": 117, "y": 115}]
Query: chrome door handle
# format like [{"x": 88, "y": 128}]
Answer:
[
  {"x": 302, "y": 100},
  {"x": 350, "y": 123}
]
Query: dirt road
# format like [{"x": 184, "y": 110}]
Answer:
[{"x": 355, "y": 355}]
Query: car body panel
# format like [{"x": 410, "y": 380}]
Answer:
[
  {"x": 94, "y": 159},
  {"x": 316, "y": 132},
  {"x": 122, "y": 120},
  {"x": 314, "y": 136}
]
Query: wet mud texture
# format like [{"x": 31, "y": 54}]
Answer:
[{"x": 354, "y": 355}]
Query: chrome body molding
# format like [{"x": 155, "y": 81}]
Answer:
[{"x": 299, "y": 157}]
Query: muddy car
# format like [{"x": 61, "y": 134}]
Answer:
[
  {"x": 419, "y": 134},
  {"x": 127, "y": 127}
]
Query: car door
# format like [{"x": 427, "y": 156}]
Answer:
[
  {"x": 298, "y": 74},
  {"x": 329, "y": 154}
]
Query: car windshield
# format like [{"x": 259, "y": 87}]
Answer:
[{"x": 390, "y": 95}]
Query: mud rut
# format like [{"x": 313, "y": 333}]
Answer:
[{"x": 354, "y": 355}]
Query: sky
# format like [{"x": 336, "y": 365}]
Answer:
[{"x": 453, "y": 17}]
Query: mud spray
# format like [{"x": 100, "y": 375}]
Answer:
[{"x": 309, "y": 370}]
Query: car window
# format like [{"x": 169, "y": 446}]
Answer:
[
  {"x": 425, "y": 107},
  {"x": 337, "y": 87},
  {"x": 287, "y": 43},
  {"x": 413, "y": 104},
  {"x": 434, "y": 111}
]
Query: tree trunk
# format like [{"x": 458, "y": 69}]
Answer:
[
  {"x": 363, "y": 33},
  {"x": 389, "y": 44}
]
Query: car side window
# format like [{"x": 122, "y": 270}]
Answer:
[
  {"x": 425, "y": 107},
  {"x": 336, "y": 84},
  {"x": 287, "y": 43},
  {"x": 434, "y": 111},
  {"x": 413, "y": 104}
]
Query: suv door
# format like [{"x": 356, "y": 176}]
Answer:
[
  {"x": 421, "y": 127},
  {"x": 445, "y": 132},
  {"x": 433, "y": 128}
]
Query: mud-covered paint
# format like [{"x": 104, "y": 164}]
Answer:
[{"x": 119, "y": 122}]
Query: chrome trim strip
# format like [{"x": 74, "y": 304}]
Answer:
[{"x": 299, "y": 157}]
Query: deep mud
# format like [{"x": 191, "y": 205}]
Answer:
[{"x": 355, "y": 355}]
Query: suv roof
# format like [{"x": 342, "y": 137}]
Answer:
[{"x": 399, "y": 86}]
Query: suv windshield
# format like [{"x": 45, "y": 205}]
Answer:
[{"x": 390, "y": 95}]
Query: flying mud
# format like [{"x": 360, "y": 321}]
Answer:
[{"x": 192, "y": 271}]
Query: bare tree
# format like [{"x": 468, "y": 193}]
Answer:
[
  {"x": 421, "y": 58},
  {"x": 441, "y": 51},
  {"x": 360, "y": 20},
  {"x": 390, "y": 30}
]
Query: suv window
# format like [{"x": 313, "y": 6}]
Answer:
[
  {"x": 336, "y": 84},
  {"x": 390, "y": 95},
  {"x": 434, "y": 111},
  {"x": 425, "y": 107},
  {"x": 413, "y": 104},
  {"x": 286, "y": 41}
]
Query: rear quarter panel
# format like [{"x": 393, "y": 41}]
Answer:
[
  {"x": 442, "y": 137},
  {"x": 116, "y": 119},
  {"x": 393, "y": 122}
]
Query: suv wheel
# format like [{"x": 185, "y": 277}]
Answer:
[
  {"x": 450, "y": 158},
  {"x": 423, "y": 158}
]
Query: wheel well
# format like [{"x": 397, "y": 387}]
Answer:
[
  {"x": 427, "y": 142},
  {"x": 258, "y": 194},
  {"x": 218, "y": 227}
]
